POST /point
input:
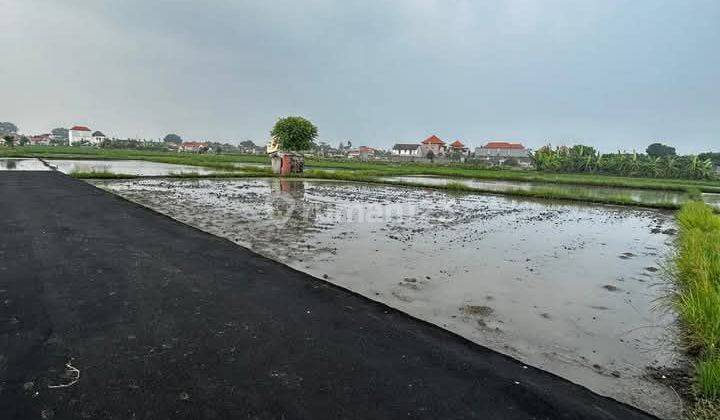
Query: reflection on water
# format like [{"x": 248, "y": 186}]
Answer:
[
  {"x": 638, "y": 195},
  {"x": 126, "y": 167},
  {"x": 712, "y": 199},
  {"x": 21, "y": 164},
  {"x": 570, "y": 288}
]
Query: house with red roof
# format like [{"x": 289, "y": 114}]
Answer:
[
  {"x": 79, "y": 134},
  {"x": 362, "y": 153},
  {"x": 458, "y": 146},
  {"x": 498, "y": 152},
  {"x": 432, "y": 144}
]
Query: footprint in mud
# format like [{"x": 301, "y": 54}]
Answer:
[
  {"x": 627, "y": 255},
  {"x": 411, "y": 283},
  {"x": 401, "y": 297},
  {"x": 477, "y": 310},
  {"x": 611, "y": 288},
  {"x": 652, "y": 269}
]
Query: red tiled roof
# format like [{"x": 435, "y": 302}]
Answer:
[
  {"x": 194, "y": 144},
  {"x": 503, "y": 145},
  {"x": 433, "y": 140},
  {"x": 80, "y": 128},
  {"x": 457, "y": 145},
  {"x": 365, "y": 149}
]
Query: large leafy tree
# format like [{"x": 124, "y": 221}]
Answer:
[
  {"x": 172, "y": 138},
  {"x": 8, "y": 128},
  {"x": 9, "y": 140},
  {"x": 248, "y": 144},
  {"x": 660, "y": 150},
  {"x": 295, "y": 133},
  {"x": 59, "y": 133}
]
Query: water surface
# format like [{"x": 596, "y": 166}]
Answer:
[
  {"x": 22, "y": 164},
  {"x": 127, "y": 167},
  {"x": 635, "y": 194}
]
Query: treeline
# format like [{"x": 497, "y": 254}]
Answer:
[{"x": 586, "y": 159}]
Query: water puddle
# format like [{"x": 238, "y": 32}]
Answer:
[{"x": 569, "y": 288}]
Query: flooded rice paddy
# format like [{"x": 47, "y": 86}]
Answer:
[
  {"x": 126, "y": 167},
  {"x": 637, "y": 195},
  {"x": 570, "y": 288},
  {"x": 22, "y": 164}
]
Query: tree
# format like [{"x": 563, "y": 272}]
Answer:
[
  {"x": 660, "y": 150},
  {"x": 294, "y": 133},
  {"x": 713, "y": 156},
  {"x": 248, "y": 144},
  {"x": 172, "y": 138},
  {"x": 24, "y": 140},
  {"x": 9, "y": 140},
  {"x": 59, "y": 135},
  {"x": 8, "y": 128}
]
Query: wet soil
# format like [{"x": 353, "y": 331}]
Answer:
[{"x": 572, "y": 289}]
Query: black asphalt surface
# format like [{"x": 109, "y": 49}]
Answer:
[{"x": 167, "y": 322}]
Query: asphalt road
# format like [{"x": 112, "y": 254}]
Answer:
[{"x": 163, "y": 321}]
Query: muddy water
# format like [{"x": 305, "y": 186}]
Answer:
[
  {"x": 21, "y": 164},
  {"x": 638, "y": 195},
  {"x": 567, "y": 288},
  {"x": 712, "y": 199},
  {"x": 126, "y": 167}
]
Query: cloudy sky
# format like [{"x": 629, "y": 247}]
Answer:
[{"x": 611, "y": 73}]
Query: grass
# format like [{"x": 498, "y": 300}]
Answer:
[
  {"x": 379, "y": 168},
  {"x": 696, "y": 272},
  {"x": 101, "y": 175}
]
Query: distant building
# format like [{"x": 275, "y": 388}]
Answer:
[
  {"x": 457, "y": 146},
  {"x": 432, "y": 144},
  {"x": 194, "y": 147},
  {"x": 80, "y": 134},
  {"x": 97, "y": 138},
  {"x": 404, "y": 149},
  {"x": 40, "y": 140},
  {"x": 497, "y": 152},
  {"x": 362, "y": 153}
]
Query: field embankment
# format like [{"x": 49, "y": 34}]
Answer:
[
  {"x": 229, "y": 162},
  {"x": 696, "y": 272}
]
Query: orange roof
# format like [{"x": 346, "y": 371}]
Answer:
[
  {"x": 503, "y": 145},
  {"x": 193, "y": 144},
  {"x": 457, "y": 145},
  {"x": 80, "y": 128},
  {"x": 433, "y": 140}
]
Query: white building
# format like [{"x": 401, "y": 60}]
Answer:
[
  {"x": 79, "y": 134},
  {"x": 406, "y": 150}
]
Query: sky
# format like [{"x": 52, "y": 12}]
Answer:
[{"x": 615, "y": 74}]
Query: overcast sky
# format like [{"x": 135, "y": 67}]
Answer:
[{"x": 610, "y": 73}]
